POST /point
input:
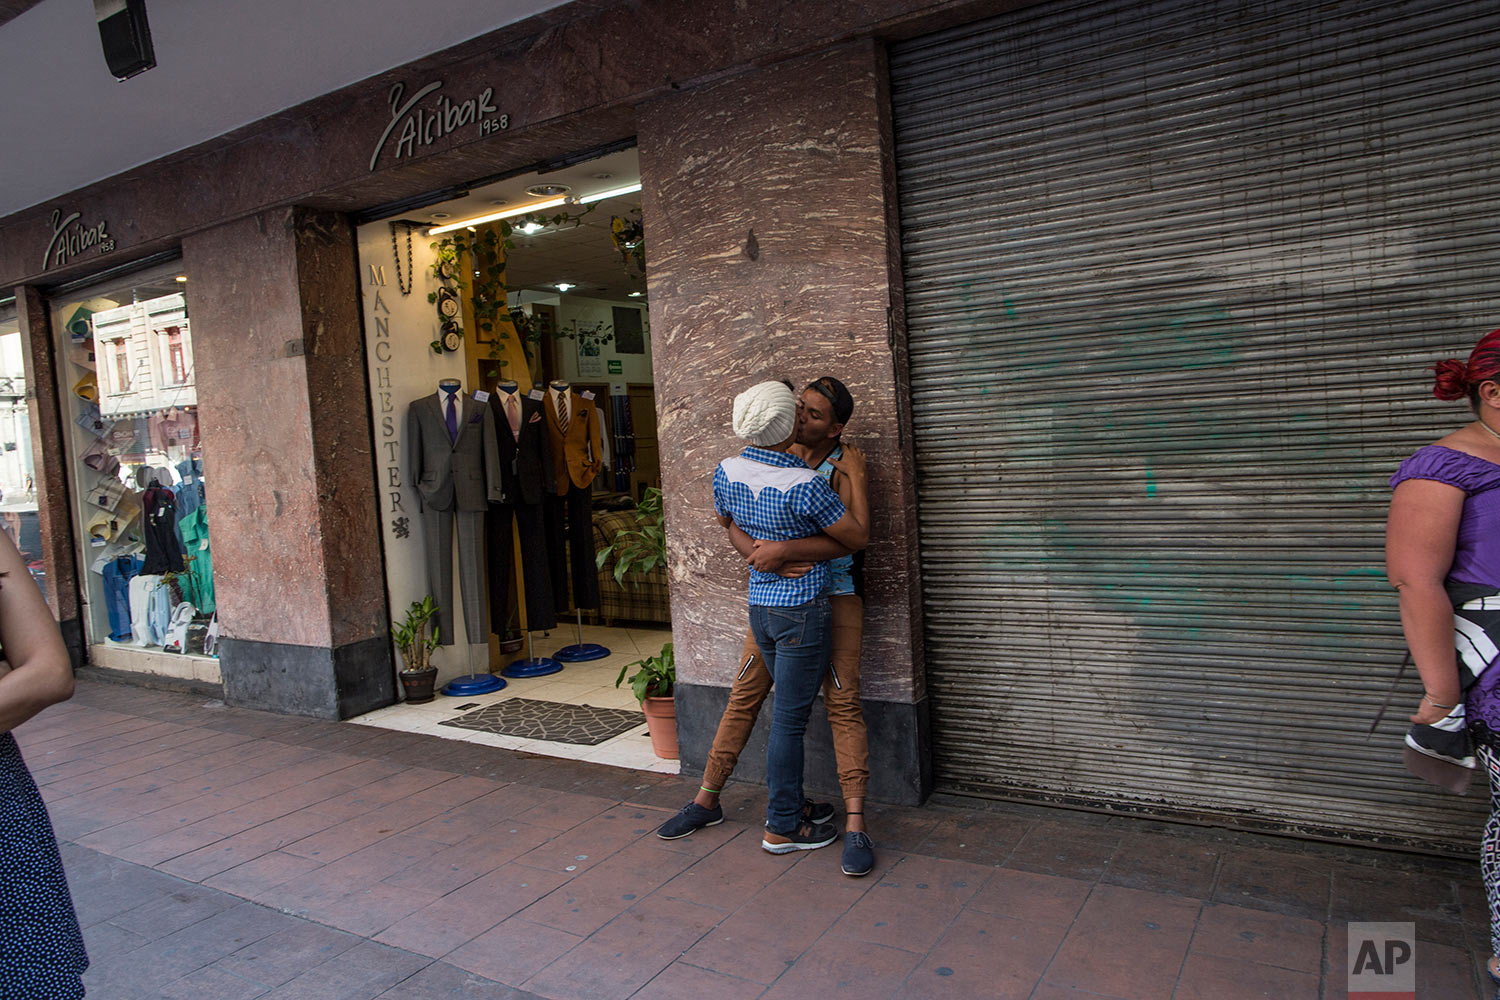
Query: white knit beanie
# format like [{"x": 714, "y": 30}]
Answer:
[{"x": 765, "y": 414}]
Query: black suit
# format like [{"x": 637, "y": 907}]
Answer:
[{"x": 525, "y": 477}]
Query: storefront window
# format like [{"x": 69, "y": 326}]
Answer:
[
  {"x": 135, "y": 464},
  {"x": 17, "y": 491}
]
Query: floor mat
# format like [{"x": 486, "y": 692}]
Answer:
[{"x": 529, "y": 719}]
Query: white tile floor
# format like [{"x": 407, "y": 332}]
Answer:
[{"x": 590, "y": 683}]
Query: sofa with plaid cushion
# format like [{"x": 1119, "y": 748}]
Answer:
[{"x": 643, "y": 598}]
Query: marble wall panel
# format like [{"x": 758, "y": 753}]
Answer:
[
  {"x": 792, "y": 154},
  {"x": 569, "y": 78},
  {"x": 49, "y": 468},
  {"x": 259, "y": 472}
]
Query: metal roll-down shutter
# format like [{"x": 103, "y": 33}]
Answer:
[{"x": 1175, "y": 276}]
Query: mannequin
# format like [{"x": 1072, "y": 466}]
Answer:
[
  {"x": 525, "y": 479},
  {"x": 451, "y": 456},
  {"x": 577, "y": 450}
]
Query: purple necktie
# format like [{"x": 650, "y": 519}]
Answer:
[{"x": 452, "y": 418}]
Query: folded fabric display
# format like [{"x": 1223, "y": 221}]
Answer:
[
  {"x": 106, "y": 492},
  {"x": 99, "y": 458},
  {"x": 87, "y": 387}
]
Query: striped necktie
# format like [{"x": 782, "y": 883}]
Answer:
[{"x": 562, "y": 412}]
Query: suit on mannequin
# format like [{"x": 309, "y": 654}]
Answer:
[
  {"x": 455, "y": 468},
  {"x": 577, "y": 456},
  {"x": 526, "y": 478}
]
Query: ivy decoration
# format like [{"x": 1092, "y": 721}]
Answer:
[
  {"x": 629, "y": 237},
  {"x": 490, "y": 291}
]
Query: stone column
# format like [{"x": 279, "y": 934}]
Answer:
[
  {"x": 49, "y": 468},
  {"x": 770, "y": 222},
  {"x": 288, "y": 469}
]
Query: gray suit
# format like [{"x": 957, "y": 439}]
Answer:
[{"x": 455, "y": 480}]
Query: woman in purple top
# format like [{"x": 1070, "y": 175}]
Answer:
[{"x": 1443, "y": 557}]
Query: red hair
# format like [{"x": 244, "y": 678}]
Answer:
[{"x": 1455, "y": 380}]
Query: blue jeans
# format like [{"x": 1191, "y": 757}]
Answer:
[{"x": 795, "y": 643}]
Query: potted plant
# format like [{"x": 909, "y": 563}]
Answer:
[
  {"x": 637, "y": 551},
  {"x": 652, "y": 684},
  {"x": 416, "y": 644}
]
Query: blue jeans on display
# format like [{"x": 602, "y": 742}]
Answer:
[
  {"x": 795, "y": 643},
  {"x": 117, "y": 575}
]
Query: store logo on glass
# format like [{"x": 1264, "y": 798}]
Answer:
[
  {"x": 417, "y": 122},
  {"x": 71, "y": 238},
  {"x": 1382, "y": 962}
]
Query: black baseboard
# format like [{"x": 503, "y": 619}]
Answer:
[
  {"x": 308, "y": 680},
  {"x": 900, "y": 744},
  {"x": 72, "y": 634}
]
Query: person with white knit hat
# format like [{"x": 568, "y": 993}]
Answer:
[{"x": 771, "y": 494}]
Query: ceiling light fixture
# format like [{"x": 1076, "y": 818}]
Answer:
[
  {"x": 612, "y": 193},
  {"x": 563, "y": 286},
  {"x": 535, "y": 206},
  {"x": 547, "y": 190},
  {"x": 182, "y": 277},
  {"x": 440, "y": 215},
  {"x": 530, "y": 228},
  {"x": 636, "y": 295}
]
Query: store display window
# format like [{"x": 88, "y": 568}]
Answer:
[
  {"x": 18, "y": 517},
  {"x": 136, "y": 465}
]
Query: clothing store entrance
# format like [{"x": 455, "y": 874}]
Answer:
[{"x": 509, "y": 352}]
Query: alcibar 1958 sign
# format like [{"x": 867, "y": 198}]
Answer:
[
  {"x": 69, "y": 239},
  {"x": 423, "y": 124}
]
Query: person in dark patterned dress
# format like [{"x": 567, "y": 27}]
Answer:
[
  {"x": 1443, "y": 558},
  {"x": 41, "y": 948}
]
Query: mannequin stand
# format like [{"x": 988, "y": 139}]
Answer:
[
  {"x": 471, "y": 684},
  {"x": 580, "y": 650},
  {"x": 531, "y": 666}
]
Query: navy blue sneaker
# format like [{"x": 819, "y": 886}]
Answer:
[
  {"x": 689, "y": 818},
  {"x": 807, "y": 837},
  {"x": 859, "y": 853},
  {"x": 817, "y": 812}
]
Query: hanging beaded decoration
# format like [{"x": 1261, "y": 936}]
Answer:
[{"x": 405, "y": 284}]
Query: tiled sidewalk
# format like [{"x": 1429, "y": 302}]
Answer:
[{"x": 219, "y": 854}]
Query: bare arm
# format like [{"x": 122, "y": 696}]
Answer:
[
  {"x": 853, "y": 529},
  {"x": 1420, "y": 534},
  {"x": 40, "y": 672}
]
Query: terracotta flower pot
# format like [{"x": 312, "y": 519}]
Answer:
[
  {"x": 661, "y": 723},
  {"x": 418, "y": 685}
]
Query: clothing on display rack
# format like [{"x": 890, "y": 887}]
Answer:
[
  {"x": 117, "y": 573},
  {"x": 163, "y": 551},
  {"x": 199, "y": 579},
  {"x": 453, "y": 462},
  {"x": 526, "y": 479},
  {"x": 577, "y": 450}
]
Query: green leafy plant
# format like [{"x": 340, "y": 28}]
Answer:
[
  {"x": 411, "y": 635},
  {"x": 641, "y": 549},
  {"x": 655, "y": 678}
]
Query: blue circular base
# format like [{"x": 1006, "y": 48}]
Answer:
[
  {"x": 462, "y": 687},
  {"x": 581, "y": 651},
  {"x": 539, "y": 667}
]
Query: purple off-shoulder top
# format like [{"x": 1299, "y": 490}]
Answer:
[{"x": 1476, "y": 556}]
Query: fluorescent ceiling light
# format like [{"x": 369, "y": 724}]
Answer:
[
  {"x": 612, "y": 193},
  {"x": 493, "y": 216}
]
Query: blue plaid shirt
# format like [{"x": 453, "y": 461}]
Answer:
[{"x": 774, "y": 496}]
